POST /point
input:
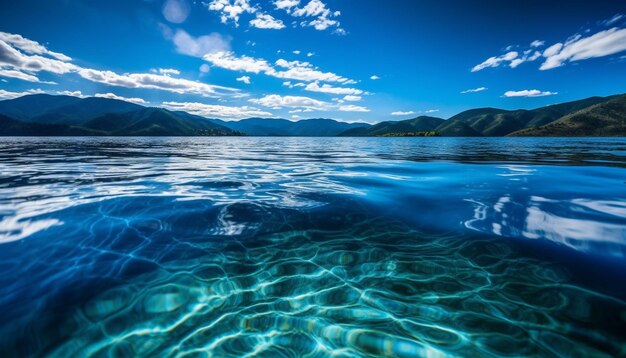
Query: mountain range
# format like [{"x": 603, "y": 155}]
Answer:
[
  {"x": 595, "y": 116},
  {"x": 48, "y": 115}
]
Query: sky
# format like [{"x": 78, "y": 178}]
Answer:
[{"x": 350, "y": 60}]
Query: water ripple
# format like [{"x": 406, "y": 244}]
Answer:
[{"x": 312, "y": 247}]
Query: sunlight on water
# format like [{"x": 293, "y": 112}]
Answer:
[{"x": 312, "y": 247}]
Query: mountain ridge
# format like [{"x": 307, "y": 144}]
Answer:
[
  {"x": 42, "y": 114},
  {"x": 495, "y": 122},
  {"x": 602, "y": 119}
]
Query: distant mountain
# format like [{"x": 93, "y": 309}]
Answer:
[
  {"x": 419, "y": 124},
  {"x": 282, "y": 127},
  {"x": 83, "y": 110},
  {"x": 43, "y": 108},
  {"x": 603, "y": 119},
  {"x": 26, "y": 107},
  {"x": 154, "y": 122},
  {"x": 47, "y": 115},
  {"x": 456, "y": 129},
  {"x": 494, "y": 122},
  {"x": 103, "y": 116},
  {"x": 12, "y": 127}
]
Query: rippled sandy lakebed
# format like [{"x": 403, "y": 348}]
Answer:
[{"x": 289, "y": 247}]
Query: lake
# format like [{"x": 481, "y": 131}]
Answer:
[{"x": 287, "y": 247}]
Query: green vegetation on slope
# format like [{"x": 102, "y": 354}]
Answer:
[
  {"x": 493, "y": 122},
  {"x": 318, "y": 127},
  {"x": 41, "y": 115},
  {"x": 419, "y": 124},
  {"x": 603, "y": 119},
  {"x": 46, "y": 115},
  {"x": 154, "y": 122},
  {"x": 412, "y": 134}
]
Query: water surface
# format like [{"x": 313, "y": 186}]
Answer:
[{"x": 284, "y": 247}]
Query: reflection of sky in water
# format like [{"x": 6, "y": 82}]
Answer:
[
  {"x": 326, "y": 246},
  {"x": 41, "y": 180},
  {"x": 588, "y": 225}
]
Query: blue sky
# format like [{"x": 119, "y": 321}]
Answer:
[{"x": 365, "y": 60}]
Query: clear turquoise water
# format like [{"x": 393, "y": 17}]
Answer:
[{"x": 317, "y": 247}]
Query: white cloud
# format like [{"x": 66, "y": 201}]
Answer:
[
  {"x": 12, "y": 59},
  {"x": 552, "y": 50},
  {"x": 474, "y": 90},
  {"x": 71, "y": 93},
  {"x": 575, "y": 48},
  {"x": 216, "y": 111},
  {"x": 613, "y": 20},
  {"x": 266, "y": 21},
  {"x": 229, "y": 61},
  {"x": 529, "y": 93},
  {"x": 23, "y": 76},
  {"x": 310, "y": 54},
  {"x": 324, "y": 18},
  {"x": 230, "y": 10},
  {"x": 288, "y": 70},
  {"x": 322, "y": 23},
  {"x": 176, "y": 11},
  {"x": 286, "y": 5},
  {"x": 204, "y": 68},
  {"x": 166, "y": 71},
  {"x": 154, "y": 81},
  {"x": 313, "y": 8},
  {"x": 408, "y": 113},
  {"x": 496, "y": 61},
  {"x": 374, "y": 78},
  {"x": 10, "y": 95},
  {"x": 300, "y": 104},
  {"x": 603, "y": 43},
  {"x": 326, "y": 88},
  {"x": 351, "y": 98},
  {"x": 293, "y": 85},
  {"x": 120, "y": 98},
  {"x": 277, "y": 102},
  {"x": 353, "y": 108},
  {"x": 516, "y": 62},
  {"x": 304, "y": 71},
  {"x": 513, "y": 58},
  {"x": 30, "y": 46},
  {"x": 296, "y": 52},
  {"x": 401, "y": 113},
  {"x": 537, "y": 43},
  {"x": 244, "y": 79},
  {"x": 199, "y": 46}
]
